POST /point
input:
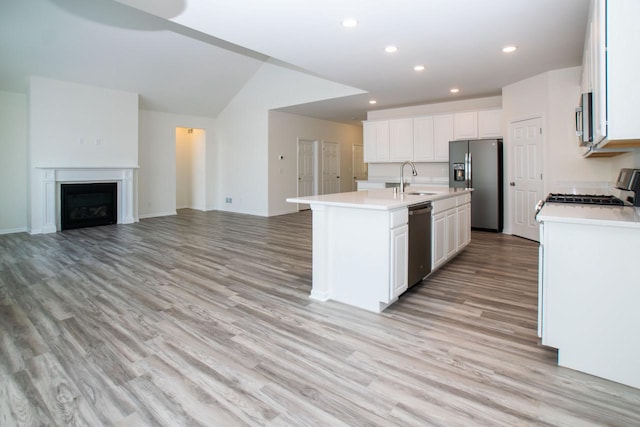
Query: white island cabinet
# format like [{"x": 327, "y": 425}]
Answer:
[
  {"x": 590, "y": 288},
  {"x": 361, "y": 243},
  {"x": 451, "y": 228}
]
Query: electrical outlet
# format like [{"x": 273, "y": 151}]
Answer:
[{"x": 228, "y": 200}]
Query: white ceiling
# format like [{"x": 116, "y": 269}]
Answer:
[{"x": 197, "y": 61}]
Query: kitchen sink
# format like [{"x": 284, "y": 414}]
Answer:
[{"x": 420, "y": 193}]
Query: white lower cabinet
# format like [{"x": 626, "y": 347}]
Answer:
[
  {"x": 464, "y": 225},
  {"x": 451, "y": 228},
  {"x": 588, "y": 308},
  {"x": 451, "y": 225},
  {"x": 399, "y": 261},
  {"x": 439, "y": 243}
]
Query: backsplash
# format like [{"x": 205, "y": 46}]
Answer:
[{"x": 428, "y": 173}]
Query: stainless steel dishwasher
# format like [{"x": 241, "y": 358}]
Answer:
[{"x": 419, "y": 242}]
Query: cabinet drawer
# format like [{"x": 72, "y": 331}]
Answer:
[
  {"x": 444, "y": 205},
  {"x": 463, "y": 199},
  {"x": 399, "y": 217}
]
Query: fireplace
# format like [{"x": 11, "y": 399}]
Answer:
[
  {"x": 47, "y": 184},
  {"x": 88, "y": 204}
]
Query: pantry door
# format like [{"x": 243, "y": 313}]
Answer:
[{"x": 526, "y": 184}]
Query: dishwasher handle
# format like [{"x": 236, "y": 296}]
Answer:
[{"x": 420, "y": 211}]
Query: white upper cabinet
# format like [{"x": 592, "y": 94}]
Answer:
[
  {"x": 376, "y": 141},
  {"x": 426, "y": 138},
  {"x": 611, "y": 45},
  {"x": 442, "y": 134},
  {"x": 423, "y": 141},
  {"x": 431, "y": 136},
  {"x": 490, "y": 124},
  {"x": 465, "y": 125},
  {"x": 400, "y": 140}
]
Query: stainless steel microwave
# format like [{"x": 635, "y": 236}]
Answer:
[{"x": 584, "y": 120}]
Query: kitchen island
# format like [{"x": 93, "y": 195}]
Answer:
[
  {"x": 589, "y": 288},
  {"x": 361, "y": 241}
]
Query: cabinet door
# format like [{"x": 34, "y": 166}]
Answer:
[
  {"x": 369, "y": 137},
  {"x": 442, "y": 134},
  {"x": 375, "y": 138},
  {"x": 490, "y": 124},
  {"x": 464, "y": 229},
  {"x": 399, "y": 260},
  {"x": 400, "y": 140},
  {"x": 451, "y": 228},
  {"x": 423, "y": 139},
  {"x": 597, "y": 65},
  {"x": 467, "y": 226},
  {"x": 439, "y": 241},
  {"x": 382, "y": 141},
  {"x": 465, "y": 125}
]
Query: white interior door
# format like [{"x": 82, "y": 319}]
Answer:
[
  {"x": 306, "y": 170},
  {"x": 330, "y": 167},
  {"x": 526, "y": 183},
  {"x": 359, "y": 167}
]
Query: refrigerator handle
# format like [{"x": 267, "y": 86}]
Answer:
[{"x": 469, "y": 175}]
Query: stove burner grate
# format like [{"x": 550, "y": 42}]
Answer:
[{"x": 587, "y": 199}]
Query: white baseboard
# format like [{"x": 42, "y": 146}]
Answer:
[
  {"x": 153, "y": 215},
  {"x": 284, "y": 212},
  {"x": 13, "y": 230}
]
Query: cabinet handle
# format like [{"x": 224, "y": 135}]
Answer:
[{"x": 513, "y": 184}]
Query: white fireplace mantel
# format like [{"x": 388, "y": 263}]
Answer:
[{"x": 51, "y": 177}]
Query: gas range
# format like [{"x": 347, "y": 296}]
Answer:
[{"x": 586, "y": 199}]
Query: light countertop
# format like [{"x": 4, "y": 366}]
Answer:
[
  {"x": 617, "y": 216},
  {"x": 381, "y": 199}
]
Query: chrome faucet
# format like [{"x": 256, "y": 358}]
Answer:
[{"x": 413, "y": 170}]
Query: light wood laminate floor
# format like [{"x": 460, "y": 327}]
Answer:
[{"x": 204, "y": 319}]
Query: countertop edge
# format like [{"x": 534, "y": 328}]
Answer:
[
  {"x": 589, "y": 215},
  {"x": 386, "y": 202}
]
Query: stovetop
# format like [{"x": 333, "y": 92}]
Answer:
[{"x": 587, "y": 199}]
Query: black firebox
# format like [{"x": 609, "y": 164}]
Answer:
[{"x": 88, "y": 205}]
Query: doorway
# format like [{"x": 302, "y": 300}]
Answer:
[
  {"x": 318, "y": 174},
  {"x": 330, "y": 167},
  {"x": 358, "y": 166},
  {"x": 190, "y": 168},
  {"x": 526, "y": 185}
]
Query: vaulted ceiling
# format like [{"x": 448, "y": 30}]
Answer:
[{"x": 192, "y": 56}]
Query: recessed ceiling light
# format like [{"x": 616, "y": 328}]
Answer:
[
  {"x": 509, "y": 49},
  {"x": 349, "y": 23},
  {"x": 454, "y": 90},
  {"x": 419, "y": 68},
  {"x": 391, "y": 49},
  {"x": 373, "y": 101}
]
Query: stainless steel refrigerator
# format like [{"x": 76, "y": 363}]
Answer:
[{"x": 477, "y": 164}]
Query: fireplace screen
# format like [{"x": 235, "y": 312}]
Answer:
[{"x": 88, "y": 205}]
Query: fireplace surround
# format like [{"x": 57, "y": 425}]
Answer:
[{"x": 52, "y": 178}]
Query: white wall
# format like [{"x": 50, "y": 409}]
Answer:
[
  {"x": 190, "y": 168},
  {"x": 554, "y": 96},
  {"x": 284, "y": 131},
  {"x": 243, "y": 132},
  {"x": 157, "y": 173},
  {"x": 74, "y": 125},
  {"x": 563, "y": 156},
  {"x": 13, "y": 162}
]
